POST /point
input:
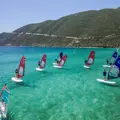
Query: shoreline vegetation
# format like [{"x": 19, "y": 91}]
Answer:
[
  {"x": 89, "y": 29},
  {"x": 57, "y": 47}
]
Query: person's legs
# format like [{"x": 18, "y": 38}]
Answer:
[{"x": 105, "y": 78}]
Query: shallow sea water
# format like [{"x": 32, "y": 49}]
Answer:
[{"x": 70, "y": 93}]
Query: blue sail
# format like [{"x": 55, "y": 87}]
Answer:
[
  {"x": 113, "y": 58},
  {"x": 115, "y": 54},
  {"x": 115, "y": 69},
  {"x": 117, "y": 62},
  {"x": 5, "y": 95}
]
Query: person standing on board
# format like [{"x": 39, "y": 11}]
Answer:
[
  {"x": 61, "y": 55},
  {"x": 17, "y": 73},
  {"x": 104, "y": 74},
  {"x": 107, "y": 61},
  {"x": 86, "y": 62},
  {"x": 59, "y": 58},
  {"x": 4, "y": 88},
  {"x": 39, "y": 63}
]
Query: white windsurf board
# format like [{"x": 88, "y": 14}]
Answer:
[
  {"x": 107, "y": 66},
  {"x": 56, "y": 66},
  {"x": 39, "y": 69},
  {"x": 105, "y": 81},
  {"x": 16, "y": 79},
  {"x": 86, "y": 66}
]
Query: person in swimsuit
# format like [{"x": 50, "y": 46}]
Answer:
[
  {"x": 107, "y": 61},
  {"x": 60, "y": 58},
  {"x": 86, "y": 61},
  {"x": 4, "y": 88},
  {"x": 17, "y": 74},
  {"x": 104, "y": 74},
  {"x": 39, "y": 63}
]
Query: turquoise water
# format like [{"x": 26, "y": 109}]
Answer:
[{"x": 71, "y": 93}]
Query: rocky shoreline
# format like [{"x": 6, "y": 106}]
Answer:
[{"x": 109, "y": 41}]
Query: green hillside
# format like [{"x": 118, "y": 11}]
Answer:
[{"x": 94, "y": 28}]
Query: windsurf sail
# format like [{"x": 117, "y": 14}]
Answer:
[
  {"x": 91, "y": 58},
  {"x": 42, "y": 63},
  {"x": 63, "y": 60},
  {"x": 3, "y": 103},
  {"x": 113, "y": 57},
  {"x": 5, "y": 95},
  {"x": 115, "y": 68},
  {"x": 21, "y": 68}
]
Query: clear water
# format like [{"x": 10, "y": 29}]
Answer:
[{"x": 71, "y": 93}]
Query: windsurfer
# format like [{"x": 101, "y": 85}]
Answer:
[
  {"x": 110, "y": 63},
  {"x": 86, "y": 62},
  {"x": 17, "y": 74},
  {"x": 104, "y": 74},
  {"x": 107, "y": 61},
  {"x": 61, "y": 55},
  {"x": 4, "y": 88},
  {"x": 39, "y": 63},
  {"x": 60, "y": 58}
]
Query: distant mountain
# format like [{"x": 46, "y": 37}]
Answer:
[{"x": 85, "y": 29}]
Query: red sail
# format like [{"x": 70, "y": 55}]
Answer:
[
  {"x": 63, "y": 60},
  {"x": 21, "y": 68},
  {"x": 43, "y": 61},
  {"x": 91, "y": 58}
]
